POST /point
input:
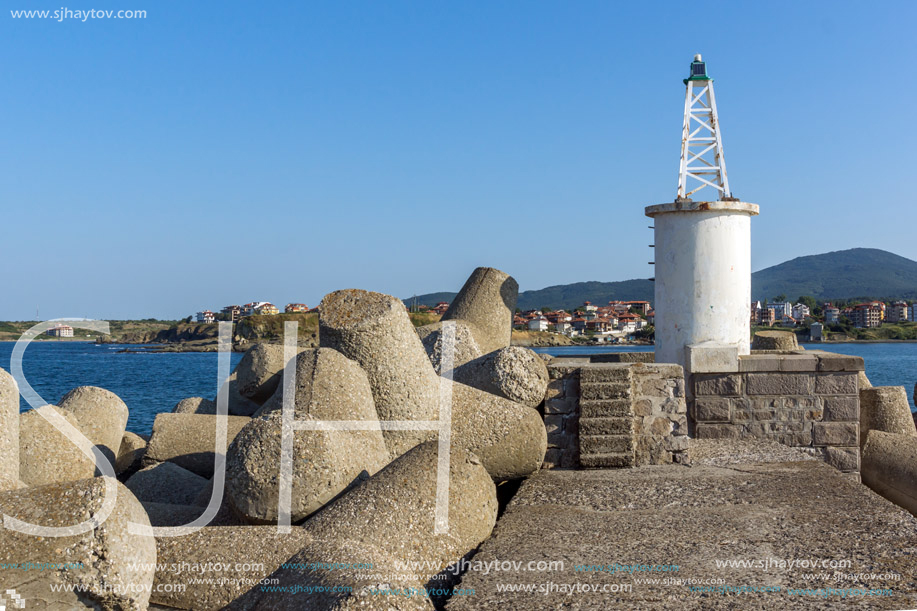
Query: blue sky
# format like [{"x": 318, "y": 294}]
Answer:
[{"x": 218, "y": 153}]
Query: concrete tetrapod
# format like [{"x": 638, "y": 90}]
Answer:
[
  {"x": 166, "y": 482},
  {"x": 329, "y": 386},
  {"x": 9, "y": 432},
  {"x": 131, "y": 452},
  {"x": 113, "y": 566},
  {"x": 188, "y": 440},
  {"x": 375, "y": 331},
  {"x": 514, "y": 373},
  {"x": 260, "y": 371},
  {"x": 101, "y": 414},
  {"x": 238, "y": 405},
  {"x": 211, "y": 567},
  {"x": 390, "y": 517},
  {"x": 46, "y": 455},
  {"x": 465, "y": 347},
  {"x": 889, "y": 466},
  {"x": 195, "y": 405},
  {"x": 488, "y": 302},
  {"x": 885, "y": 408},
  {"x": 509, "y": 439}
]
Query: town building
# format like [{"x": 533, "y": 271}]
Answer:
[
  {"x": 801, "y": 312},
  {"x": 265, "y": 308},
  {"x": 441, "y": 308},
  {"x": 865, "y": 315},
  {"x": 832, "y": 314},
  {"x": 913, "y": 311},
  {"x": 294, "y": 308},
  {"x": 766, "y": 317},
  {"x": 640, "y": 306},
  {"x": 781, "y": 309},
  {"x": 233, "y": 312},
  {"x": 205, "y": 316},
  {"x": 816, "y": 332},
  {"x": 897, "y": 312},
  {"x": 539, "y": 323},
  {"x": 60, "y": 331},
  {"x": 755, "y": 316},
  {"x": 599, "y": 325}
]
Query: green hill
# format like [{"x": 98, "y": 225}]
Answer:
[{"x": 843, "y": 274}]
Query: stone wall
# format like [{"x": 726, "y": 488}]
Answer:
[
  {"x": 561, "y": 414},
  {"x": 804, "y": 399},
  {"x": 602, "y": 415}
]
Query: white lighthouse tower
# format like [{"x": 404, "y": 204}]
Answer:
[{"x": 703, "y": 248}]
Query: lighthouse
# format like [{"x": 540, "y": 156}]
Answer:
[{"x": 702, "y": 245}]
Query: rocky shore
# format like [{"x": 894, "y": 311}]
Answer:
[{"x": 372, "y": 493}]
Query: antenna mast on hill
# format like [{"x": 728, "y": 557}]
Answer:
[{"x": 701, "y": 143}]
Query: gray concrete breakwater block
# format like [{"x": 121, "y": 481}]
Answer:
[
  {"x": 46, "y": 455},
  {"x": 114, "y": 566},
  {"x": 488, "y": 301},
  {"x": 9, "y": 432},
  {"x": 375, "y": 331},
  {"x": 211, "y": 567},
  {"x": 101, "y": 414},
  {"x": 889, "y": 466},
  {"x": 189, "y": 440}
]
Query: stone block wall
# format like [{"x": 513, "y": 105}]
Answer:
[
  {"x": 606, "y": 423},
  {"x": 561, "y": 416},
  {"x": 804, "y": 399},
  {"x": 660, "y": 414},
  {"x": 603, "y": 415}
]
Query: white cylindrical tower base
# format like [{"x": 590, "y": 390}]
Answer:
[{"x": 703, "y": 278}]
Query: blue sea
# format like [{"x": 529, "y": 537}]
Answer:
[
  {"x": 151, "y": 383},
  {"x": 887, "y": 364}
]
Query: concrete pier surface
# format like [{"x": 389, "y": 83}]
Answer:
[{"x": 794, "y": 533}]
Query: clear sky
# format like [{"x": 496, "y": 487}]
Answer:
[{"x": 225, "y": 152}]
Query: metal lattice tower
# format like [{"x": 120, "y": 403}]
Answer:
[{"x": 701, "y": 143}]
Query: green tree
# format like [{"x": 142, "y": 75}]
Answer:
[
  {"x": 808, "y": 301},
  {"x": 648, "y": 333},
  {"x": 779, "y": 298}
]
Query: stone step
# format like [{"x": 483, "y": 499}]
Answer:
[
  {"x": 606, "y": 408},
  {"x": 614, "y": 390},
  {"x": 606, "y": 426},
  {"x": 605, "y": 373},
  {"x": 605, "y": 444},
  {"x": 607, "y": 461}
]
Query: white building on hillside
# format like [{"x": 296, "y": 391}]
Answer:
[
  {"x": 801, "y": 311},
  {"x": 539, "y": 323},
  {"x": 205, "y": 317}
]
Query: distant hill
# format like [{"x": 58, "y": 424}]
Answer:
[
  {"x": 567, "y": 296},
  {"x": 843, "y": 274}
]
